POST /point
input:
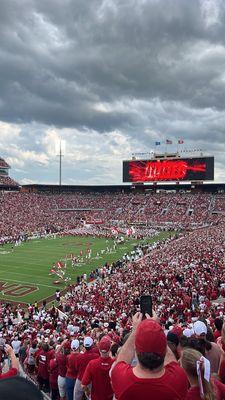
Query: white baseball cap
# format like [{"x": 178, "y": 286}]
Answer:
[
  {"x": 75, "y": 344},
  {"x": 188, "y": 332},
  {"x": 88, "y": 341},
  {"x": 199, "y": 328}
]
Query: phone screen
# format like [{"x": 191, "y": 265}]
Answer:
[{"x": 146, "y": 305}]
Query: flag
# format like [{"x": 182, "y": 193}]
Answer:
[
  {"x": 59, "y": 264},
  {"x": 180, "y": 141},
  {"x": 168, "y": 141},
  {"x": 157, "y": 143},
  {"x": 133, "y": 230}
]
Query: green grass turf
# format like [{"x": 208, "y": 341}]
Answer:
[{"x": 30, "y": 263}]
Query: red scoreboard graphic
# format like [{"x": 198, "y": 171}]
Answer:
[{"x": 176, "y": 169}]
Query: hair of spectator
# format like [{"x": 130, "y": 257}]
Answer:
[
  {"x": 150, "y": 361},
  {"x": 173, "y": 348},
  {"x": 218, "y": 323},
  {"x": 114, "y": 349},
  {"x": 189, "y": 363}
]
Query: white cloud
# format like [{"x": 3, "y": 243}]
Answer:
[{"x": 107, "y": 79}]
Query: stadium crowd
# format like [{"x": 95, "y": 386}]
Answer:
[
  {"x": 34, "y": 212},
  {"x": 95, "y": 344}
]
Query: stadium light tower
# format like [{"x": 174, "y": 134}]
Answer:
[{"x": 60, "y": 155}]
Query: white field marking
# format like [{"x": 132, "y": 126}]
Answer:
[
  {"x": 17, "y": 273},
  {"x": 33, "y": 291},
  {"x": 31, "y": 267},
  {"x": 29, "y": 254},
  {"x": 30, "y": 258},
  {"x": 21, "y": 264},
  {"x": 7, "y": 269},
  {"x": 27, "y": 283}
]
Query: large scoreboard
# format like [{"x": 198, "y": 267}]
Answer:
[{"x": 164, "y": 169}]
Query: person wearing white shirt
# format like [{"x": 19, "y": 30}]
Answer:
[{"x": 16, "y": 343}]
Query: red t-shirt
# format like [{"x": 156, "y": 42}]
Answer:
[
  {"x": 173, "y": 385},
  {"x": 82, "y": 361},
  {"x": 53, "y": 374},
  {"x": 11, "y": 372},
  {"x": 193, "y": 394},
  {"x": 218, "y": 389},
  {"x": 222, "y": 371},
  {"x": 97, "y": 373},
  {"x": 43, "y": 363},
  {"x": 61, "y": 360},
  {"x": 216, "y": 334},
  {"x": 71, "y": 366}
]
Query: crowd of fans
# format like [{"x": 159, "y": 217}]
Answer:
[
  {"x": 92, "y": 343},
  {"x": 34, "y": 212},
  {"x": 8, "y": 182}
]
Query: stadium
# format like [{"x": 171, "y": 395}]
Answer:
[
  {"x": 112, "y": 200},
  {"x": 75, "y": 260}
]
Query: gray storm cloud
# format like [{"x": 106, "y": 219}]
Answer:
[{"x": 147, "y": 69}]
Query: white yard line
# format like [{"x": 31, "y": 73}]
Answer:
[{"x": 28, "y": 283}]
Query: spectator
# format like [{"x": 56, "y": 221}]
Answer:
[
  {"x": 43, "y": 360},
  {"x": 16, "y": 343},
  {"x": 53, "y": 378},
  {"x": 156, "y": 372},
  {"x": 173, "y": 343},
  {"x": 71, "y": 373},
  {"x": 14, "y": 363},
  {"x": 212, "y": 351},
  {"x": 81, "y": 362},
  {"x": 61, "y": 359},
  {"x": 31, "y": 358},
  {"x": 218, "y": 324},
  {"x": 96, "y": 382},
  {"x": 198, "y": 372}
]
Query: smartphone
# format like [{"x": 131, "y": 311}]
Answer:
[{"x": 146, "y": 305}]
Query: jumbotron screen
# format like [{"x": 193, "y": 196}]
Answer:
[{"x": 176, "y": 169}]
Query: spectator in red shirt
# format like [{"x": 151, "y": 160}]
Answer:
[
  {"x": 218, "y": 324},
  {"x": 81, "y": 363},
  {"x": 53, "y": 378},
  {"x": 156, "y": 372},
  {"x": 71, "y": 373},
  {"x": 43, "y": 360},
  {"x": 61, "y": 358},
  {"x": 202, "y": 386},
  {"x": 97, "y": 374}
]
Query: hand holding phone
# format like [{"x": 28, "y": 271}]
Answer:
[{"x": 146, "y": 305}]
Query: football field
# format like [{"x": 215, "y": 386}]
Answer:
[{"x": 25, "y": 275}]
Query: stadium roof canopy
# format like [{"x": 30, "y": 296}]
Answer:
[{"x": 204, "y": 187}]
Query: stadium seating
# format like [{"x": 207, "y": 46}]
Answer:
[
  {"x": 29, "y": 213},
  {"x": 184, "y": 274}
]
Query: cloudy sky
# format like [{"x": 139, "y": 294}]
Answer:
[{"x": 108, "y": 78}]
